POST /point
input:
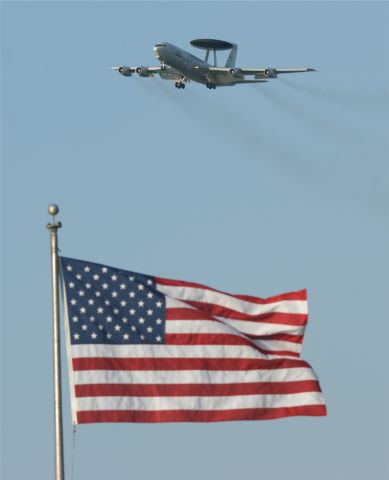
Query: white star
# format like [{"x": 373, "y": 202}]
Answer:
[
  {"x": 149, "y": 311},
  {"x": 149, "y": 282},
  {"x": 159, "y": 304},
  {"x": 142, "y": 337},
  {"x": 76, "y": 336},
  {"x": 114, "y": 294},
  {"x": 109, "y": 319},
  {"x": 100, "y": 310},
  {"x": 131, "y": 279},
  {"x": 105, "y": 286},
  {"x": 124, "y": 320},
  {"x": 73, "y": 301},
  {"x": 159, "y": 339},
  {"x": 114, "y": 278},
  {"x": 140, "y": 287},
  {"x": 81, "y": 293},
  {"x": 94, "y": 336},
  {"x": 159, "y": 321},
  {"x": 115, "y": 311},
  {"x": 141, "y": 303},
  {"x": 109, "y": 335},
  {"x": 71, "y": 285},
  {"x": 85, "y": 327},
  {"x": 141, "y": 320},
  {"x": 88, "y": 285},
  {"x": 87, "y": 269},
  {"x": 150, "y": 295},
  {"x": 104, "y": 269},
  {"x": 100, "y": 327},
  {"x": 97, "y": 294},
  {"x": 69, "y": 268},
  {"x": 126, "y": 336},
  {"x": 122, "y": 286},
  {"x": 78, "y": 276},
  {"x": 107, "y": 302},
  {"x": 75, "y": 319},
  {"x": 91, "y": 301},
  {"x": 123, "y": 303},
  {"x": 132, "y": 294},
  {"x": 82, "y": 310},
  {"x": 132, "y": 311},
  {"x": 117, "y": 328},
  {"x": 149, "y": 329},
  {"x": 96, "y": 277},
  {"x": 133, "y": 328},
  {"x": 92, "y": 319}
]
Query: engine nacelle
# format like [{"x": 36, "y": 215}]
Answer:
[
  {"x": 143, "y": 72},
  {"x": 271, "y": 73},
  {"x": 235, "y": 72},
  {"x": 125, "y": 71}
]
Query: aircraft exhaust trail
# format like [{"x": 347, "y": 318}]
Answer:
[
  {"x": 357, "y": 100},
  {"x": 313, "y": 118},
  {"x": 257, "y": 145}
]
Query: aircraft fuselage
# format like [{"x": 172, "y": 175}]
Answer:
[{"x": 183, "y": 61}]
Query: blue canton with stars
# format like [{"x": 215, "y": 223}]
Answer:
[{"x": 111, "y": 306}]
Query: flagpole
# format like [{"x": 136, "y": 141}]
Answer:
[{"x": 58, "y": 445}]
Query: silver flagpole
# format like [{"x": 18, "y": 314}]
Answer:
[{"x": 59, "y": 459}]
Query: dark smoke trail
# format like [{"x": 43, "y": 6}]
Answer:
[
  {"x": 315, "y": 118},
  {"x": 255, "y": 144},
  {"x": 362, "y": 100}
]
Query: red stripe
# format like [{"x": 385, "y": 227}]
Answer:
[
  {"x": 211, "y": 364},
  {"x": 283, "y": 337},
  {"x": 192, "y": 390},
  {"x": 219, "y": 339},
  {"x": 204, "y": 311},
  {"x": 299, "y": 295},
  {"x": 158, "y": 416},
  {"x": 187, "y": 314},
  {"x": 298, "y": 319}
]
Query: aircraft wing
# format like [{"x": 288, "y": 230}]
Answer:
[
  {"x": 258, "y": 72},
  {"x": 142, "y": 71}
]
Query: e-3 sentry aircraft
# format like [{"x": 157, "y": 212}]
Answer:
[{"x": 181, "y": 67}]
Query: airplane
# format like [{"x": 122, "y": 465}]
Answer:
[{"x": 182, "y": 67}]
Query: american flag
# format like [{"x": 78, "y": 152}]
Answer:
[{"x": 149, "y": 349}]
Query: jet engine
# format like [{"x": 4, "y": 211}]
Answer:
[
  {"x": 125, "y": 71},
  {"x": 235, "y": 72},
  {"x": 143, "y": 72},
  {"x": 271, "y": 72}
]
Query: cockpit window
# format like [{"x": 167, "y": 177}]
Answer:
[{"x": 160, "y": 44}]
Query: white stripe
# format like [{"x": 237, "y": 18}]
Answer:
[
  {"x": 197, "y": 326},
  {"x": 170, "y": 351},
  {"x": 148, "y": 377},
  {"x": 199, "y": 403},
  {"x": 224, "y": 300},
  {"x": 277, "y": 345},
  {"x": 174, "y": 303},
  {"x": 210, "y": 326}
]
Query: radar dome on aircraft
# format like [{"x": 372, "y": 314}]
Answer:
[{"x": 211, "y": 44}]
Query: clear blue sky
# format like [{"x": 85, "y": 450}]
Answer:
[{"x": 251, "y": 189}]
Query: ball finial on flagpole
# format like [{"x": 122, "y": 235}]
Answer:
[{"x": 53, "y": 209}]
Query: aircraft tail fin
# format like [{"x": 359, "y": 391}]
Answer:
[{"x": 232, "y": 56}]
